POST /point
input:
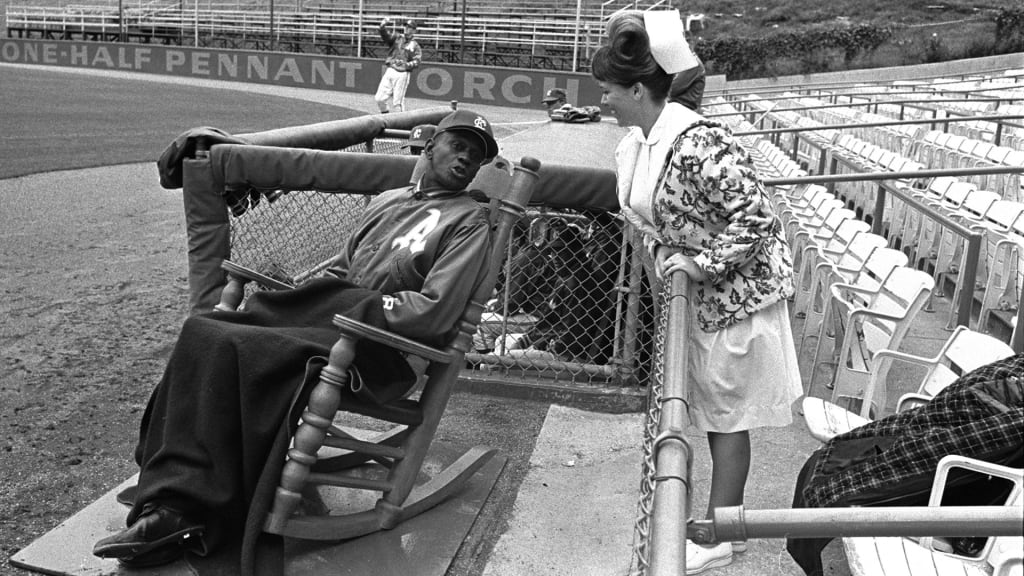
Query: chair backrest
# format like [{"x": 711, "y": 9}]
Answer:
[
  {"x": 964, "y": 351},
  {"x": 1003, "y": 553},
  {"x": 957, "y": 193},
  {"x": 899, "y": 297},
  {"x": 937, "y": 188},
  {"x": 879, "y": 266},
  {"x": 1004, "y": 214},
  {"x": 977, "y": 205},
  {"x": 846, "y": 233}
]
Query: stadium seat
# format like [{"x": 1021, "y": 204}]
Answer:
[
  {"x": 867, "y": 264},
  {"x": 962, "y": 352},
  {"x": 861, "y": 322},
  {"x": 891, "y": 556}
]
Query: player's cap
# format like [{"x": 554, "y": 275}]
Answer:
[
  {"x": 467, "y": 121},
  {"x": 419, "y": 135},
  {"x": 411, "y": 24},
  {"x": 553, "y": 95}
]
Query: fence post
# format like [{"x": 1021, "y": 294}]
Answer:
[{"x": 671, "y": 452}]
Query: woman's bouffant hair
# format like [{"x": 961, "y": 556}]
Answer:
[{"x": 627, "y": 58}]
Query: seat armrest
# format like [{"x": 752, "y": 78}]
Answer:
[
  {"x": 254, "y": 276},
  {"x": 363, "y": 330},
  {"x": 911, "y": 400}
]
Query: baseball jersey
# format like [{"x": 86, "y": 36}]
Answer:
[
  {"x": 426, "y": 252},
  {"x": 402, "y": 55}
]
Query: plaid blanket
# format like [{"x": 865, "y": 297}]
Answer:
[
  {"x": 892, "y": 461},
  {"x": 980, "y": 415}
]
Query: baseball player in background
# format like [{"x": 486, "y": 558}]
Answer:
[{"x": 404, "y": 55}]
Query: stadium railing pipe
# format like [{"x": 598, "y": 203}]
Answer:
[
  {"x": 857, "y": 91},
  {"x": 734, "y": 523},
  {"x": 673, "y": 455}
]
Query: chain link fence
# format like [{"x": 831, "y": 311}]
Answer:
[{"x": 571, "y": 306}]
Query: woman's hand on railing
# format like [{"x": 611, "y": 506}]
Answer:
[{"x": 668, "y": 260}]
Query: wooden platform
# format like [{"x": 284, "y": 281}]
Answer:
[{"x": 423, "y": 546}]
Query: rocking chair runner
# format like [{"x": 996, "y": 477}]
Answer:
[{"x": 402, "y": 450}]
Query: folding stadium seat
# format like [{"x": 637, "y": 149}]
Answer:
[
  {"x": 948, "y": 250},
  {"x": 865, "y": 264},
  {"x": 1013, "y": 183},
  {"x": 928, "y": 230},
  {"x": 866, "y": 321},
  {"x": 820, "y": 249},
  {"x": 906, "y": 221},
  {"x": 964, "y": 351},
  {"x": 888, "y": 556},
  {"x": 950, "y": 151},
  {"x": 808, "y": 238},
  {"x": 998, "y": 154},
  {"x": 804, "y": 222},
  {"x": 1004, "y": 260},
  {"x": 923, "y": 151}
]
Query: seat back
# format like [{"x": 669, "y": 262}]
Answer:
[
  {"x": 1005, "y": 554},
  {"x": 964, "y": 351},
  {"x": 872, "y": 321}
]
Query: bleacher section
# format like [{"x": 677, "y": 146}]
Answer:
[
  {"x": 899, "y": 200},
  {"x": 527, "y": 33}
]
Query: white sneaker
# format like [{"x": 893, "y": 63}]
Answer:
[{"x": 700, "y": 559}]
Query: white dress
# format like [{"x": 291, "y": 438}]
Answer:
[{"x": 740, "y": 377}]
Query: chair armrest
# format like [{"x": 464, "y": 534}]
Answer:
[
  {"x": 363, "y": 330},
  {"x": 249, "y": 274},
  {"x": 841, "y": 286},
  {"x": 238, "y": 276},
  {"x": 882, "y": 361},
  {"x": 912, "y": 400}
]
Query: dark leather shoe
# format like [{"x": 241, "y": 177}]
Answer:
[{"x": 161, "y": 535}]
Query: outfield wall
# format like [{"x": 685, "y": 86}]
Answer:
[{"x": 509, "y": 87}]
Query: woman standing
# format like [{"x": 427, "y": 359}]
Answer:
[{"x": 692, "y": 192}]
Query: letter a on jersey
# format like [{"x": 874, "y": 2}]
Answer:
[{"x": 415, "y": 238}]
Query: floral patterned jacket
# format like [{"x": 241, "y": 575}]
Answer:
[{"x": 709, "y": 201}]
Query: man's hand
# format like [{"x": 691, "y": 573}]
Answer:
[{"x": 385, "y": 22}]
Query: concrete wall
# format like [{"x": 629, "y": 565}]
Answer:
[{"x": 511, "y": 87}]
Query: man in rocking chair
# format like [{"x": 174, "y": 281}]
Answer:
[{"x": 410, "y": 267}]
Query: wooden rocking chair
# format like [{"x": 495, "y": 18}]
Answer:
[{"x": 401, "y": 451}]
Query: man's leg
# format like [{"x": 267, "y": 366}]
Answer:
[
  {"x": 384, "y": 90},
  {"x": 401, "y": 85}
]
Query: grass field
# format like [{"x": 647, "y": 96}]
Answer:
[{"x": 52, "y": 120}]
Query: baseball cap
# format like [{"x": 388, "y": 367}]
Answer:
[
  {"x": 554, "y": 94},
  {"x": 411, "y": 23},
  {"x": 419, "y": 135},
  {"x": 468, "y": 121}
]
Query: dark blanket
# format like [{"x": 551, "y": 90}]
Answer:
[
  {"x": 214, "y": 435},
  {"x": 892, "y": 461}
]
